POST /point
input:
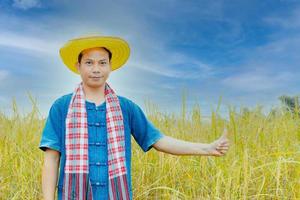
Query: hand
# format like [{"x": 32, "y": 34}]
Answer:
[{"x": 220, "y": 146}]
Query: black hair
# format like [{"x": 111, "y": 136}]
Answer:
[{"x": 108, "y": 51}]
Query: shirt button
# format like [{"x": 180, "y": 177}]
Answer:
[
  {"x": 100, "y": 184},
  {"x": 99, "y": 163},
  {"x": 100, "y": 143}
]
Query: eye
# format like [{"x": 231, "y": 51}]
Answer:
[
  {"x": 103, "y": 63},
  {"x": 88, "y": 62}
]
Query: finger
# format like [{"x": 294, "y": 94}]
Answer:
[
  {"x": 225, "y": 133},
  {"x": 222, "y": 148},
  {"x": 216, "y": 153},
  {"x": 223, "y": 143},
  {"x": 222, "y": 152}
]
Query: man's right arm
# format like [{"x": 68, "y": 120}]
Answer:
[{"x": 50, "y": 173}]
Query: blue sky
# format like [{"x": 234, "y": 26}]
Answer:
[{"x": 245, "y": 51}]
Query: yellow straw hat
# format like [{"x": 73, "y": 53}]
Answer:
[{"x": 118, "y": 47}]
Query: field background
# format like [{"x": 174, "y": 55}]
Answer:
[{"x": 262, "y": 163}]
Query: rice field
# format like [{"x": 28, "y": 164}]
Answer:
[{"x": 263, "y": 161}]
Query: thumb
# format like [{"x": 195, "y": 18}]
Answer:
[{"x": 225, "y": 133}]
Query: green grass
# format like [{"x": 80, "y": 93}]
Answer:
[{"x": 262, "y": 163}]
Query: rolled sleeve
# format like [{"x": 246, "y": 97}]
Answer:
[
  {"x": 143, "y": 130},
  {"x": 52, "y": 130}
]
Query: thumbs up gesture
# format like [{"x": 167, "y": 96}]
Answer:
[{"x": 220, "y": 146}]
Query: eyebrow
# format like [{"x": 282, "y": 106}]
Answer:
[{"x": 104, "y": 59}]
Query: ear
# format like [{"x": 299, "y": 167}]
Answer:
[
  {"x": 77, "y": 65},
  {"x": 110, "y": 65}
]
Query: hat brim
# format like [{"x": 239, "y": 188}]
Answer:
[{"x": 119, "y": 48}]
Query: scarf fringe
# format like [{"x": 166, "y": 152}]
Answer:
[{"x": 74, "y": 184}]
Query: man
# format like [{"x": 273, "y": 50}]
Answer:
[{"x": 87, "y": 133}]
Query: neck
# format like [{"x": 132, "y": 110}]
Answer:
[{"x": 95, "y": 95}]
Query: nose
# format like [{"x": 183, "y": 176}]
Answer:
[
  {"x": 96, "y": 71},
  {"x": 96, "y": 68}
]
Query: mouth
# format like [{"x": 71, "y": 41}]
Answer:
[{"x": 96, "y": 77}]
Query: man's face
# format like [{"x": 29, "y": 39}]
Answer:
[{"x": 94, "y": 67}]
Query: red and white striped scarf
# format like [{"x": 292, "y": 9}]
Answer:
[{"x": 76, "y": 184}]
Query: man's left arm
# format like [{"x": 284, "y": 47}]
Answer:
[{"x": 175, "y": 146}]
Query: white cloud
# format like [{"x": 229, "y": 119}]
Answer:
[
  {"x": 26, "y": 4},
  {"x": 180, "y": 69},
  {"x": 274, "y": 65},
  {"x": 152, "y": 55},
  {"x": 25, "y": 42},
  {"x": 257, "y": 80}
]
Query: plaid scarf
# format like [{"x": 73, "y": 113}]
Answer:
[{"x": 76, "y": 184}]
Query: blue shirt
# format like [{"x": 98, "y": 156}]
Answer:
[{"x": 135, "y": 124}]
